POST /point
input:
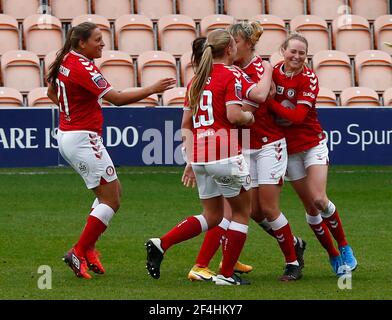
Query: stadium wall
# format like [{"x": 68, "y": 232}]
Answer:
[{"x": 151, "y": 136}]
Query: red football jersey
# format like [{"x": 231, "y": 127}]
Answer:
[
  {"x": 265, "y": 130},
  {"x": 214, "y": 137},
  {"x": 80, "y": 87},
  {"x": 299, "y": 89}
]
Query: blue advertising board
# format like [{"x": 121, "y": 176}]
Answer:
[{"x": 151, "y": 136}]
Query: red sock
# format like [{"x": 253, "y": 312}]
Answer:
[
  {"x": 286, "y": 243},
  {"x": 334, "y": 225},
  {"x": 210, "y": 245},
  {"x": 90, "y": 234},
  {"x": 232, "y": 247},
  {"x": 321, "y": 231},
  {"x": 187, "y": 229}
]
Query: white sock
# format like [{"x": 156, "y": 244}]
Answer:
[{"x": 103, "y": 212}]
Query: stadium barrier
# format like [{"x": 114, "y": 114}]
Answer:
[{"x": 138, "y": 136}]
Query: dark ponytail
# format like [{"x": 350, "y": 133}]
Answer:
[{"x": 75, "y": 34}]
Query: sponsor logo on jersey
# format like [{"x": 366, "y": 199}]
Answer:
[
  {"x": 279, "y": 90},
  {"x": 309, "y": 94},
  {"x": 238, "y": 89},
  {"x": 64, "y": 71},
  {"x": 99, "y": 81},
  {"x": 226, "y": 180}
]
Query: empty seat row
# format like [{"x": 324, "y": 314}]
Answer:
[
  {"x": 370, "y": 68},
  {"x": 135, "y": 33},
  {"x": 197, "y": 9},
  {"x": 37, "y": 97}
]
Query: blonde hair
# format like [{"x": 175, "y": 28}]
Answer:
[
  {"x": 217, "y": 41},
  {"x": 294, "y": 36},
  {"x": 250, "y": 31}
]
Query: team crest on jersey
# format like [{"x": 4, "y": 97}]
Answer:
[
  {"x": 100, "y": 81},
  {"x": 83, "y": 168},
  {"x": 291, "y": 93},
  {"x": 110, "y": 171}
]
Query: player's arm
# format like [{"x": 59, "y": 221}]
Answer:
[
  {"x": 260, "y": 92},
  {"x": 237, "y": 116},
  {"x": 52, "y": 94},
  {"x": 296, "y": 115},
  {"x": 123, "y": 98},
  {"x": 188, "y": 177}
]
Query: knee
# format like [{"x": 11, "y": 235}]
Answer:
[
  {"x": 270, "y": 212},
  {"x": 320, "y": 203}
]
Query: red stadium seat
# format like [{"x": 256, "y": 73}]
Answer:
[
  {"x": 42, "y": 34},
  {"x": 387, "y": 96},
  {"x": 20, "y": 9},
  {"x": 174, "y": 97},
  {"x": 327, "y": 10},
  {"x": 383, "y": 33},
  {"x": 38, "y": 97},
  {"x": 196, "y": 9},
  {"x": 326, "y": 98},
  {"x": 215, "y": 21},
  {"x": 369, "y": 9},
  {"x": 373, "y": 69},
  {"x": 273, "y": 35},
  {"x": 176, "y": 33},
  {"x": 333, "y": 69},
  {"x": 10, "y": 97},
  {"x": 359, "y": 96},
  {"x": 243, "y": 9},
  {"x": 315, "y": 29},
  {"x": 351, "y": 34},
  {"x": 101, "y": 22},
  {"x": 134, "y": 34},
  {"x": 9, "y": 37},
  {"x": 117, "y": 68},
  {"x": 186, "y": 68},
  {"x": 69, "y": 9},
  {"x": 153, "y": 65},
  {"x": 154, "y": 9},
  {"x": 20, "y": 70},
  {"x": 286, "y": 9},
  {"x": 112, "y": 9}
]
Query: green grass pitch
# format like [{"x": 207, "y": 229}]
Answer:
[{"x": 41, "y": 216}]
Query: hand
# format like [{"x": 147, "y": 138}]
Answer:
[
  {"x": 267, "y": 66},
  {"x": 272, "y": 91},
  {"x": 163, "y": 85},
  {"x": 188, "y": 177}
]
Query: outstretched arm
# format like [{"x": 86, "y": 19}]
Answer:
[{"x": 296, "y": 115}]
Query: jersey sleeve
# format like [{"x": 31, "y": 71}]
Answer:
[
  {"x": 234, "y": 91},
  {"x": 89, "y": 77},
  {"x": 308, "y": 90}
]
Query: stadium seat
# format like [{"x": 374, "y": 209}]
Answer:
[
  {"x": 196, "y": 9},
  {"x": 186, "y": 68},
  {"x": 112, "y": 9},
  {"x": 176, "y": 33},
  {"x": 315, "y": 29},
  {"x": 215, "y": 21},
  {"x": 38, "y": 97},
  {"x": 42, "y": 34},
  {"x": 20, "y": 70},
  {"x": 10, "y": 97},
  {"x": 243, "y": 9},
  {"x": 359, "y": 96},
  {"x": 327, "y": 10},
  {"x": 326, "y": 98},
  {"x": 154, "y": 9},
  {"x": 351, "y": 34},
  {"x": 286, "y": 9},
  {"x": 174, "y": 97},
  {"x": 9, "y": 37},
  {"x": 20, "y": 9},
  {"x": 101, "y": 22},
  {"x": 117, "y": 68},
  {"x": 373, "y": 69},
  {"x": 150, "y": 101},
  {"x": 387, "y": 96},
  {"x": 154, "y": 65},
  {"x": 69, "y": 9},
  {"x": 383, "y": 33},
  {"x": 273, "y": 35},
  {"x": 333, "y": 69},
  {"x": 275, "y": 58},
  {"x": 134, "y": 34},
  {"x": 369, "y": 10}
]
